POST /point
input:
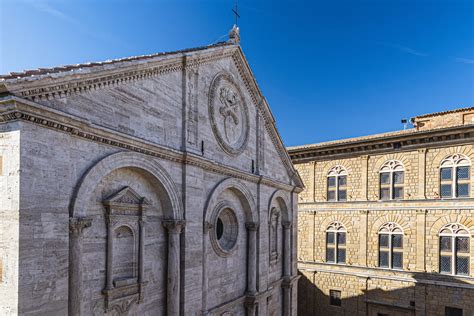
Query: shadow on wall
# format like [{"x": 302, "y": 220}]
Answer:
[{"x": 427, "y": 294}]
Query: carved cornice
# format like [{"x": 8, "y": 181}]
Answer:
[
  {"x": 61, "y": 87},
  {"x": 127, "y": 142},
  {"x": 414, "y": 141}
]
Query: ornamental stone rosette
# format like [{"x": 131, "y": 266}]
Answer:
[{"x": 228, "y": 114}]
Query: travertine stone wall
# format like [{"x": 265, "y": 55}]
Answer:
[{"x": 9, "y": 217}]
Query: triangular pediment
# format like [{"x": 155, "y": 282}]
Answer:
[
  {"x": 126, "y": 196},
  {"x": 45, "y": 84}
]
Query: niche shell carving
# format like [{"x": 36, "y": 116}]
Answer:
[{"x": 228, "y": 113}]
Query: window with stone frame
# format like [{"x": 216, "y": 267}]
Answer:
[
  {"x": 335, "y": 298},
  {"x": 337, "y": 184},
  {"x": 390, "y": 246},
  {"x": 454, "y": 250},
  {"x": 274, "y": 219},
  {"x": 336, "y": 243},
  {"x": 392, "y": 180},
  {"x": 455, "y": 177}
]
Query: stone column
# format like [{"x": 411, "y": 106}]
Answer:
[
  {"x": 174, "y": 228},
  {"x": 76, "y": 226},
  {"x": 287, "y": 248},
  {"x": 141, "y": 272},
  {"x": 252, "y": 257},
  {"x": 110, "y": 253},
  {"x": 286, "y": 285},
  {"x": 287, "y": 268}
]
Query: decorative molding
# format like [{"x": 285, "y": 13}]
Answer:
[
  {"x": 192, "y": 130},
  {"x": 228, "y": 114},
  {"x": 128, "y": 142},
  {"x": 66, "y": 86}
]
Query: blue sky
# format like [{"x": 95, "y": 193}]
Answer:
[{"x": 329, "y": 69}]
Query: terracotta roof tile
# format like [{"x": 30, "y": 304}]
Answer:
[{"x": 58, "y": 69}]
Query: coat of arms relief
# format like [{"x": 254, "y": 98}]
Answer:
[{"x": 228, "y": 114}]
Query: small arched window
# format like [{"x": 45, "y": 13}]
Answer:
[
  {"x": 391, "y": 246},
  {"x": 337, "y": 184},
  {"x": 391, "y": 180},
  {"x": 454, "y": 250},
  {"x": 336, "y": 243},
  {"x": 455, "y": 175}
]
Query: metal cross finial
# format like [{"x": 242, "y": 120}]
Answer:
[{"x": 236, "y": 12}]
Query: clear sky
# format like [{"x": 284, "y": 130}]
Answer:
[{"x": 329, "y": 69}]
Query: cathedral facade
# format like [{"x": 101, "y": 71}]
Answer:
[
  {"x": 150, "y": 185},
  {"x": 385, "y": 222}
]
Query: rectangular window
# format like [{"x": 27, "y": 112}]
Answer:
[
  {"x": 398, "y": 193},
  {"x": 452, "y": 311},
  {"x": 342, "y": 195},
  {"x": 331, "y": 181},
  {"x": 383, "y": 259},
  {"x": 342, "y": 181},
  {"x": 383, "y": 240},
  {"x": 341, "y": 255},
  {"x": 446, "y": 190},
  {"x": 341, "y": 238},
  {"x": 445, "y": 264},
  {"x": 462, "y": 244},
  {"x": 445, "y": 243},
  {"x": 330, "y": 255},
  {"x": 385, "y": 193},
  {"x": 385, "y": 178},
  {"x": 397, "y": 241},
  {"x": 330, "y": 238},
  {"x": 397, "y": 260},
  {"x": 335, "y": 298},
  {"x": 446, "y": 174},
  {"x": 463, "y": 173},
  {"x": 462, "y": 190},
  {"x": 331, "y": 195},
  {"x": 398, "y": 177},
  {"x": 462, "y": 265}
]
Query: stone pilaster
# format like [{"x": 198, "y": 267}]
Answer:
[
  {"x": 174, "y": 228},
  {"x": 252, "y": 257},
  {"x": 364, "y": 174},
  {"x": 421, "y": 173},
  {"x": 363, "y": 220},
  {"x": 76, "y": 228},
  {"x": 420, "y": 240}
]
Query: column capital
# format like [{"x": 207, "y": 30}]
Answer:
[
  {"x": 251, "y": 226},
  {"x": 77, "y": 225},
  {"x": 174, "y": 226},
  {"x": 286, "y": 224}
]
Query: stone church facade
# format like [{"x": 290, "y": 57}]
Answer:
[
  {"x": 150, "y": 185},
  {"x": 386, "y": 222}
]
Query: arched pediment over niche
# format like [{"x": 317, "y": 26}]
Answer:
[{"x": 172, "y": 202}]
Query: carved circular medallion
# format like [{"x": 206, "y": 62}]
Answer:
[
  {"x": 225, "y": 229},
  {"x": 228, "y": 114}
]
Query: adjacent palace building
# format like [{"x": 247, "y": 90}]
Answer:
[{"x": 386, "y": 221}]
